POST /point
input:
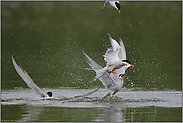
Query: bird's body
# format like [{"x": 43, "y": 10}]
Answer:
[
  {"x": 112, "y": 83},
  {"x": 114, "y": 4}
]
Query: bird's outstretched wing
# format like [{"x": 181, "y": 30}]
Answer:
[
  {"x": 106, "y": 80},
  {"x": 111, "y": 56},
  {"x": 122, "y": 51},
  {"x": 114, "y": 43},
  {"x": 26, "y": 78},
  {"x": 87, "y": 94}
]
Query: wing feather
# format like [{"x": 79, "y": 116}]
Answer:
[
  {"x": 23, "y": 74},
  {"x": 111, "y": 56},
  {"x": 114, "y": 43},
  {"x": 122, "y": 51},
  {"x": 106, "y": 80}
]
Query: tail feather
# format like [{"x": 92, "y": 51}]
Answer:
[{"x": 106, "y": 94}]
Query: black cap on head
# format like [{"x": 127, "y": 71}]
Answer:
[
  {"x": 121, "y": 75},
  {"x": 49, "y": 94},
  {"x": 118, "y": 5},
  {"x": 128, "y": 61}
]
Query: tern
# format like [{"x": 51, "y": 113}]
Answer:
[
  {"x": 49, "y": 96},
  {"x": 114, "y": 4},
  {"x": 112, "y": 83},
  {"x": 115, "y": 57}
]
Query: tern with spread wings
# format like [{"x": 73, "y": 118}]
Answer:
[
  {"x": 113, "y": 83},
  {"x": 115, "y": 57},
  {"x": 114, "y": 4}
]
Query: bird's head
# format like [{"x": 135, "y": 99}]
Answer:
[
  {"x": 127, "y": 67},
  {"x": 128, "y": 62},
  {"x": 49, "y": 94},
  {"x": 118, "y": 6},
  {"x": 121, "y": 75}
]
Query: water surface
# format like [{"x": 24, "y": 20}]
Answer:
[{"x": 127, "y": 105}]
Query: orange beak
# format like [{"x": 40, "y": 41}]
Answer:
[
  {"x": 119, "y": 11},
  {"x": 122, "y": 76},
  {"x": 132, "y": 66}
]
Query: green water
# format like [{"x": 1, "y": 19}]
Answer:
[
  {"x": 65, "y": 114},
  {"x": 46, "y": 39}
]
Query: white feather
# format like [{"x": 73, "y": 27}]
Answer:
[
  {"x": 122, "y": 51},
  {"x": 23, "y": 74},
  {"x": 112, "y": 83}
]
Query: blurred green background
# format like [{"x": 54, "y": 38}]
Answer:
[{"x": 46, "y": 39}]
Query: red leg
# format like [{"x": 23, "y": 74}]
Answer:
[
  {"x": 112, "y": 96},
  {"x": 104, "y": 5},
  {"x": 114, "y": 73},
  {"x": 112, "y": 8}
]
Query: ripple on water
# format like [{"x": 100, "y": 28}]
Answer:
[{"x": 128, "y": 98}]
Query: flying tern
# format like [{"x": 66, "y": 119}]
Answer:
[
  {"x": 115, "y": 57},
  {"x": 114, "y": 4}
]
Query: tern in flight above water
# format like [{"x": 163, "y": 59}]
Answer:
[
  {"x": 115, "y": 57},
  {"x": 114, "y": 4}
]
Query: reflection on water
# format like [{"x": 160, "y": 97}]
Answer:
[
  {"x": 84, "y": 114},
  {"x": 113, "y": 113}
]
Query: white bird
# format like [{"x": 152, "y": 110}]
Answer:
[
  {"x": 115, "y": 57},
  {"x": 114, "y": 4},
  {"x": 112, "y": 83},
  {"x": 49, "y": 96}
]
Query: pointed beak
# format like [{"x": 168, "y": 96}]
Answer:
[
  {"x": 122, "y": 75},
  {"x": 132, "y": 66},
  {"x": 119, "y": 11}
]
